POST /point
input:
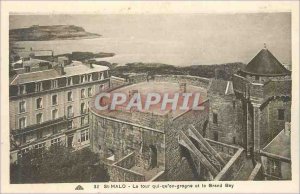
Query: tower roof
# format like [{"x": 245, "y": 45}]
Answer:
[{"x": 265, "y": 64}]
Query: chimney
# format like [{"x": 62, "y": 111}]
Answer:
[
  {"x": 182, "y": 87},
  {"x": 62, "y": 69}
]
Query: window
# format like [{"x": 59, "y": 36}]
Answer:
[
  {"x": 70, "y": 124},
  {"x": 82, "y": 121},
  {"x": 40, "y": 146},
  {"x": 39, "y": 118},
  {"x": 103, "y": 122},
  {"x": 22, "y": 106},
  {"x": 215, "y": 118},
  {"x": 101, "y": 76},
  {"x": 55, "y": 141},
  {"x": 101, "y": 87},
  {"x": 84, "y": 135},
  {"x": 233, "y": 104},
  {"x": 69, "y": 81},
  {"x": 70, "y": 96},
  {"x": 39, "y": 134},
  {"x": 54, "y": 99},
  {"x": 27, "y": 69},
  {"x": 257, "y": 78},
  {"x": 90, "y": 78},
  {"x": 54, "y": 114},
  {"x": 22, "y": 89},
  {"x": 82, "y": 108},
  {"x": 90, "y": 92},
  {"x": 280, "y": 114},
  {"x": 82, "y": 93},
  {"x": 70, "y": 111},
  {"x": 216, "y": 136},
  {"x": 39, "y": 103},
  {"x": 22, "y": 122},
  {"x": 54, "y": 83},
  {"x": 274, "y": 167},
  {"x": 82, "y": 78},
  {"x": 38, "y": 86}
]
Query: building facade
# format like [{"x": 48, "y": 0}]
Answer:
[{"x": 50, "y": 106}]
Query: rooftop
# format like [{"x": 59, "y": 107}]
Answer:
[
  {"x": 280, "y": 145},
  {"x": 37, "y": 53},
  {"x": 265, "y": 64},
  {"x": 145, "y": 88},
  {"x": 75, "y": 68}
]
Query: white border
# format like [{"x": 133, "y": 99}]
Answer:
[{"x": 138, "y": 7}]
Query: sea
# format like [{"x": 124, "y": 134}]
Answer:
[{"x": 175, "y": 39}]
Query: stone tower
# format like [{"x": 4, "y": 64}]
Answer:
[{"x": 264, "y": 91}]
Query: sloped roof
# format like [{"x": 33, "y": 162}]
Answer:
[
  {"x": 280, "y": 145},
  {"x": 265, "y": 64},
  {"x": 35, "y": 76},
  {"x": 76, "y": 68}
]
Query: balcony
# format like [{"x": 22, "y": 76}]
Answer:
[{"x": 62, "y": 122}]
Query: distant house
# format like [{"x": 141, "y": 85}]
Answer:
[
  {"x": 37, "y": 54},
  {"x": 63, "y": 60}
]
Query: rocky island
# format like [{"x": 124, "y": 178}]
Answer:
[{"x": 55, "y": 32}]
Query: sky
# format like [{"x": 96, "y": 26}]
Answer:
[{"x": 186, "y": 38}]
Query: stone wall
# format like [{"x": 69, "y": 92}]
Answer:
[
  {"x": 270, "y": 125},
  {"x": 178, "y": 165},
  {"x": 119, "y": 138},
  {"x": 189, "y": 80},
  {"x": 227, "y": 127}
]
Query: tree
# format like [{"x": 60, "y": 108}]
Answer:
[{"x": 58, "y": 164}]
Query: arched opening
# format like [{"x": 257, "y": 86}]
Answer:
[{"x": 153, "y": 157}]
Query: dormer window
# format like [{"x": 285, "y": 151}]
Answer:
[
  {"x": 82, "y": 78},
  {"x": 39, "y": 86},
  {"x": 54, "y": 83},
  {"x": 90, "y": 78},
  {"x": 101, "y": 76},
  {"x": 70, "y": 81},
  {"x": 22, "y": 89}
]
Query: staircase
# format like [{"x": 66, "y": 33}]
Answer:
[{"x": 212, "y": 161}]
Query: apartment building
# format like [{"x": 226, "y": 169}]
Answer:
[{"x": 50, "y": 106}]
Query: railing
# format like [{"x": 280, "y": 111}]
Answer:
[
  {"x": 232, "y": 166},
  {"x": 222, "y": 147},
  {"x": 58, "y": 121}
]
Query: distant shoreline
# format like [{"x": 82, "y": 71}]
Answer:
[{"x": 50, "y": 33}]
